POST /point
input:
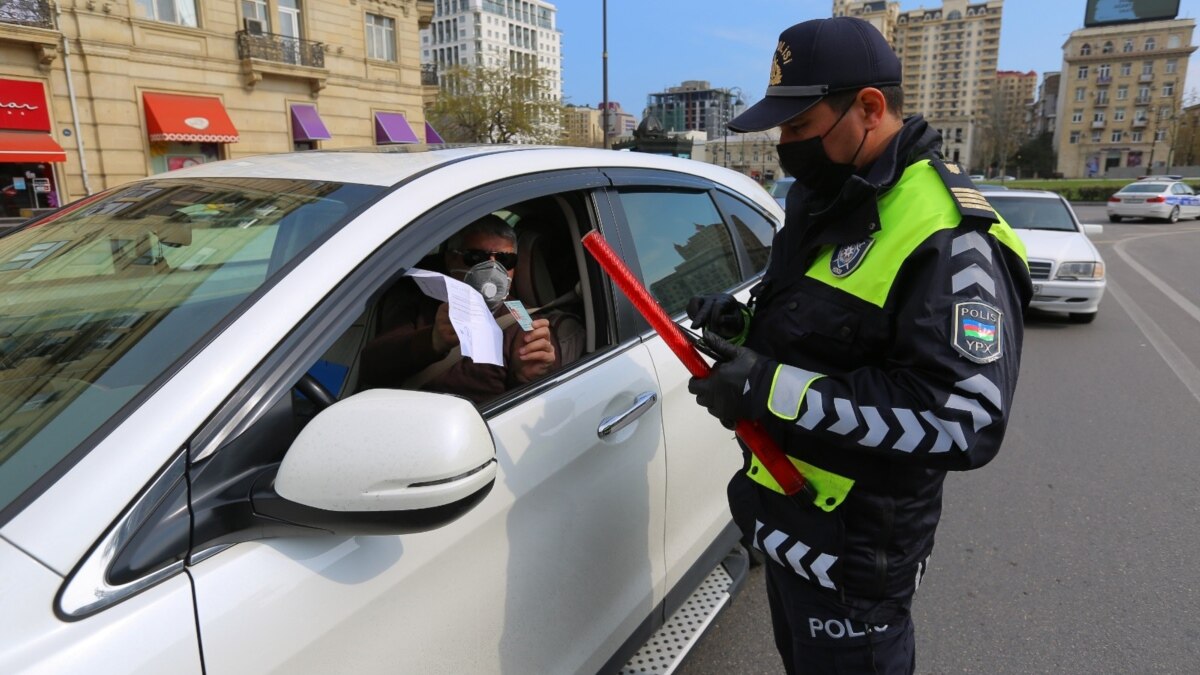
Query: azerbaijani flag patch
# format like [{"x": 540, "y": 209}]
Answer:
[{"x": 977, "y": 331}]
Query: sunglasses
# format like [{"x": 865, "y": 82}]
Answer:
[{"x": 474, "y": 256}]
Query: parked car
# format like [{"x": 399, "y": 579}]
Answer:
[
  {"x": 990, "y": 187},
  {"x": 1066, "y": 268},
  {"x": 1167, "y": 200},
  {"x": 193, "y": 480},
  {"x": 977, "y": 177},
  {"x": 780, "y": 189}
]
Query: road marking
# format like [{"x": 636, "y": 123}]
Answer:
[
  {"x": 1184, "y": 369},
  {"x": 1184, "y": 304}
]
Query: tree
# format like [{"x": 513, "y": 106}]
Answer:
[
  {"x": 1036, "y": 157},
  {"x": 483, "y": 104},
  {"x": 1002, "y": 129}
]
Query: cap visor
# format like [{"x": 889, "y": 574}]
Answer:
[{"x": 771, "y": 112}]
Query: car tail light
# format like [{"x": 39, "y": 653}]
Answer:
[
  {"x": 1115, "y": 199},
  {"x": 1157, "y": 200}
]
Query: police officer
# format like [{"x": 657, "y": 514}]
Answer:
[{"x": 880, "y": 349}]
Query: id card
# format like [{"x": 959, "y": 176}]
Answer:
[{"x": 517, "y": 309}]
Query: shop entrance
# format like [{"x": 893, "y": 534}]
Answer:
[{"x": 26, "y": 186}]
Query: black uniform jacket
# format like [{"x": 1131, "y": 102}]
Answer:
[{"x": 898, "y": 404}]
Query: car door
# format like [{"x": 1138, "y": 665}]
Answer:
[
  {"x": 680, "y": 246},
  {"x": 551, "y": 572}
]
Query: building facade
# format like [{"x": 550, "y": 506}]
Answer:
[
  {"x": 695, "y": 105},
  {"x": 620, "y": 123},
  {"x": 1120, "y": 97},
  {"x": 949, "y": 56},
  {"x": 582, "y": 127},
  {"x": 520, "y": 35},
  {"x": 753, "y": 154},
  {"x": 110, "y": 91},
  {"x": 1045, "y": 109}
]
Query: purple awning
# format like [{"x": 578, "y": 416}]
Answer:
[
  {"x": 432, "y": 136},
  {"x": 393, "y": 128},
  {"x": 307, "y": 124}
]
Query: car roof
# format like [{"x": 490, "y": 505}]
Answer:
[
  {"x": 387, "y": 166},
  {"x": 1009, "y": 194}
]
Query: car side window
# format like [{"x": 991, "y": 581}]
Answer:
[
  {"x": 681, "y": 244},
  {"x": 754, "y": 229}
]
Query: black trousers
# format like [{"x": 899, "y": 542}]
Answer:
[{"x": 815, "y": 638}]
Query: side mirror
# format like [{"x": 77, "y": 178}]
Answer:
[
  {"x": 384, "y": 462},
  {"x": 1091, "y": 229}
]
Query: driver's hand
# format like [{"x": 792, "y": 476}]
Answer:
[
  {"x": 444, "y": 338},
  {"x": 533, "y": 353}
]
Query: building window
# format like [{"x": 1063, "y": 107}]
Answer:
[
  {"x": 1108, "y": 48},
  {"x": 1104, "y": 71},
  {"x": 1116, "y": 137},
  {"x": 1083, "y": 72},
  {"x": 1122, "y": 93},
  {"x": 1173, "y": 42},
  {"x": 1150, "y": 44},
  {"x": 381, "y": 37},
  {"x": 1172, "y": 64},
  {"x": 1098, "y": 116},
  {"x": 1074, "y": 137},
  {"x": 1147, "y": 67},
  {"x": 182, "y": 12},
  {"x": 1160, "y": 135},
  {"x": 1095, "y": 136},
  {"x": 1080, "y": 93},
  {"x": 1128, "y": 46},
  {"x": 1168, "y": 89},
  {"x": 1085, "y": 50},
  {"x": 1077, "y": 116},
  {"x": 1126, "y": 69},
  {"x": 1119, "y": 115},
  {"x": 1102, "y": 96},
  {"x": 1135, "y": 137}
]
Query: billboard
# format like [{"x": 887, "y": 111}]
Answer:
[{"x": 1107, "y": 12}]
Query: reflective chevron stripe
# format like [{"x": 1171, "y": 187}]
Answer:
[
  {"x": 770, "y": 541},
  {"x": 912, "y": 430},
  {"x": 787, "y": 391},
  {"x": 971, "y": 241},
  {"x": 973, "y": 276}
]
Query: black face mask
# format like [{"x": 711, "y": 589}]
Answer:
[{"x": 810, "y": 165}]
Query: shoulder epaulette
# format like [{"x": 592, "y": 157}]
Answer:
[{"x": 970, "y": 201}]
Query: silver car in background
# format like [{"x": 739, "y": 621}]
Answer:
[
  {"x": 1165, "y": 199},
  {"x": 1066, "y": 268}
]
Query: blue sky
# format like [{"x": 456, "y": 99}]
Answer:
[{"x": 655, "y": 44}]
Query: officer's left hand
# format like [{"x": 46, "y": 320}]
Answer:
[{"x": 725, "y": 391}]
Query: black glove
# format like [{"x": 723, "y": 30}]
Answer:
[
  {"x": 726, "y": 392},
  {"x": 720, "y": 313}
]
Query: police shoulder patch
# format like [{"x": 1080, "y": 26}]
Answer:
[
  {"x": 847, "y": 257},
  {"x": 977, "y": 331}
]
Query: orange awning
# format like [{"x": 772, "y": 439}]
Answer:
[
  {"x": 29, "y": 146},
  {"x": 188, "y": 119}
]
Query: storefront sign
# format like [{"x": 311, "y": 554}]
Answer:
[{"x": 23, "y": 106}]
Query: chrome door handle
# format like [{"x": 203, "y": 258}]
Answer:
[{"x": 611, "y": 425}]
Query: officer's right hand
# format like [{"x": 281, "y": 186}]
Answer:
[{"x": 720, "y": 313}]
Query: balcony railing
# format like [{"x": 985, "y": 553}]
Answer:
[
  {"x": 429, "y": 74},
  {"x": 1146, "y": 77},
  {"x": 281, "y": 49},
  {"x": 33, "y": 13},
  {"x": 1104, "y": 79}
]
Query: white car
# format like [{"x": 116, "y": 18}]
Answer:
[
  {"x": 192, "y": 480},
  {"x": 1163, "y": 199},
  {"x": 1066, "y": 269}
]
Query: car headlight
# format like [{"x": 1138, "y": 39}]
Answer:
[{"x": 1080, "y": 270}]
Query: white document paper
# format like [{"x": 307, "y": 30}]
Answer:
[{"x": 479, "y": 335}]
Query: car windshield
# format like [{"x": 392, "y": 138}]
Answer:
[
  {"x": 103, "y": 298},
  {"x": 1034, "y": 213},
  {"x": 1145, "y": 187}
]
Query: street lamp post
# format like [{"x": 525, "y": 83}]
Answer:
[{"x": 604, "y": 48}]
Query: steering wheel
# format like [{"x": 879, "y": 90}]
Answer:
[{"x": 314, "y": 391}]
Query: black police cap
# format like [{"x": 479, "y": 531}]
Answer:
[{"x": 816, "y": 58}]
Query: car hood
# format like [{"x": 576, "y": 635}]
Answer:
[{"x": 1047, "y": 245}]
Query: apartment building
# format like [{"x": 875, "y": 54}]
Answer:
[
  {"x": 695, "y": 105},
  {"x": 1120, "y": 97},
  {"x": 949, "y": 56},
  {"x": 105, "y": 91},
  {"x": 517, "y": 34},
  {"x": 753, "y": 154},
  {"x": 1045, "y": 108},
  {"x": 583, "y": 127}
]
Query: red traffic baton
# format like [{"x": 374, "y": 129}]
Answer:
[{"x": 751, "y": 432}]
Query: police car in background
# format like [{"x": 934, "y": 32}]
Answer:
[
  {"x": 1161, "y": 197},
  {"x": 1066, "y": 268}
]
